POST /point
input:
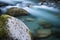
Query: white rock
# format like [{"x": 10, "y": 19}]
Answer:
[{"x": 17, "y": 29}]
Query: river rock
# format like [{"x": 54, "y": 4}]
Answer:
[
  {"x": 57, "y": 15},
  {"x": 14, "y": 11},
  {"x": 45, "y": 24},
  {"x": 13, "y": 28},
  {"x": 30, "y": 19},
  {"x": 43, "y": 33}
]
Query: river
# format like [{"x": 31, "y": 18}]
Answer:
[{"x": 38, "y": 13}]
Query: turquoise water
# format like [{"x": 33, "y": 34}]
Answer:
[{"x": 39, "y": 14}]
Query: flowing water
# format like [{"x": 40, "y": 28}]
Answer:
[{"x": 38, "y": 14}]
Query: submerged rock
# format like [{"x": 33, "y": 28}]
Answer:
[
  {"x": 43, "y": 33},
  {"x": 57, "y": 15},
  {"x": 45, "y": 24},
  {"x": 14, "y": 11},
  {"x": 30, "y": 19},
  {"x": 13, "y": 28}
]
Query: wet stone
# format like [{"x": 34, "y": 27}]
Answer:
[
  {"x": 45, "y": 24},
  {"x": 14, "y": 11},
  {"x": 43, "y": 33},
  {"x": 17, "y": 32}
]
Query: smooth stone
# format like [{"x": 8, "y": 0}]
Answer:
[
  {"x": 30, "y": 19},
  {"x": 45, "y": 24},
  {"x": 13, "y": 28},
  {"x": 43, "y": 33},
  {"x": 57, "y": 15},
  {"x": 14, "y": 11}
]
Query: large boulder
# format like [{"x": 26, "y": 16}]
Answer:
[
  {"x": 14, "y": 11},
  {"x": 13, "y": 29}
]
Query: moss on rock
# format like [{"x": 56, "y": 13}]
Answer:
[
  {"x": 3, "y": 29},
  {"x": 9, "y": 29}
]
